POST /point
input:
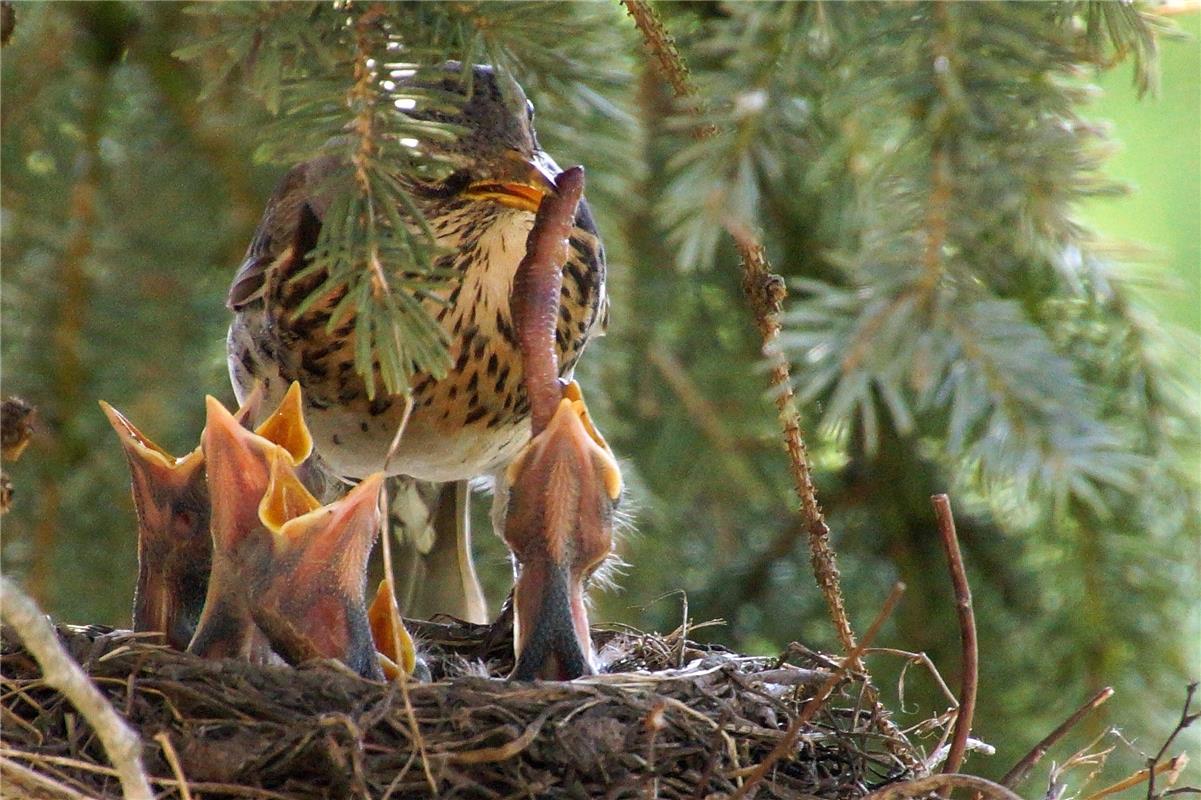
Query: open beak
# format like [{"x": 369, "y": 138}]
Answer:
[
  {"x": 307, "y": 587},
  {"x": 522, "y": 185},
  {"x": 563, "y": 490},
  {"x": 238, "y": 465},
  {"x": 393, "y": 642},
  {"x": 174, "y": 550},
  {"x": 286, "y": 426}
]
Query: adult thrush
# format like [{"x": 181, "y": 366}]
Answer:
[{"x": 471, "y": 422}]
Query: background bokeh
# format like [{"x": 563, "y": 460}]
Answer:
[{"x": 128, "y": 202}]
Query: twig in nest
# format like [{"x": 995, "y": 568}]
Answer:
[
  {"x": 1186, "y": 719},
  {"x": 967, "y": 633},
  {"x": 1172, "y": 768},
  {"x": 784, "y": 746},
  {"x": 944, "y": 782},
  {"x": 173, "y": 761},
  {"x": 766, "y": 292},
  {"x": 61, "y": 672},
  {"x": 1022, "y": 768}
]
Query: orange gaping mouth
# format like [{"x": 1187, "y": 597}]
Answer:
[{"x": 514, "y": 195}]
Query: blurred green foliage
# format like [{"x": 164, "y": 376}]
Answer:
[{"x": 1019, "y": 365}]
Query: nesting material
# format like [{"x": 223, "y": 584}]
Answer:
[{"x": 670, "y": 719}]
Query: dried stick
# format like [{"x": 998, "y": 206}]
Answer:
[
  {"x": 60, "y": 671},
  {"x": 967, "y": 633},
  {"x": 1171, "y": 767},
  {"x": 536, "y": 288},
  {"x": 765, "y": 292},
  {"x": 784, "y": 746},
  {"x": 173, "y": 761},
  {"x": 1186, "y": 719},
  {"x": 944, "y": 782},
  {"x": 1022, "y": 768}
]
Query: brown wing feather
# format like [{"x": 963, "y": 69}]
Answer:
[{"x": 284, "y": 222}]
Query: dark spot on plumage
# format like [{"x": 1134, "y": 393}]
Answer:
[
  {"x": 247, "y": 361},
  {"x": 312, "y": 366},
  {"x": 461, "y": 361},
  {"x": 345, "y": 367},
  {"x": 347, "y": 394},
  {"x": 523, "y": 406},
  {"x": 493, "y": 364},
  {"x": 564, "y": 312},
  {"x": 322, "y": 352},
  {"x": 473, "y": 383},
  {"x": 336, "y": 439},
  {"x": 475, "y": 414},
  {"x": 363, "y": 427},
  {"x": 316, "y": 402},
  {"x": 560, "y": 340},
  {"x": 345, "y": 330},
  {"x": 453, "y": 392},
  {"x": 379, "y": 405},
  {"x": 477, "y": 351},
  {"x": 505, "y": 329}
]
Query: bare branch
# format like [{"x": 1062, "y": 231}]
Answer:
[
  {"x": 967, "y": 633},
  {"x": 766, "y": 292},
  {"x": 1022, "y": 768},
  {"x": 123, "y": 746}
]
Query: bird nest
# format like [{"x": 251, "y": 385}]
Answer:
[{"x": 669, "y": 718}]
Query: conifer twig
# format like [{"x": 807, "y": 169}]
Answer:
[
  {"x": 60, "y": 671},
  {"x": 967, "y": 633},
  {"x": 766, "y": 292},
  {"x": 1022, "y": 768}
]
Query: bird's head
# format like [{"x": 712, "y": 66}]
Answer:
[
  {"x": 174, "y": 552},
  {"x": 564, "y": 488},
  {"x": 495, "y": 157}
]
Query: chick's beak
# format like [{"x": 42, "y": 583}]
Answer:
[
  {"x": 520, "y": 183},
  {"x": 550, "y": 624},
  {"x": 239, "y": 468}
]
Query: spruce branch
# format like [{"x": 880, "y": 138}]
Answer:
[{"x": 766, "y": 292}]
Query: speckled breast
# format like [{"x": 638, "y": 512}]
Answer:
[{"x": 466, "y": 424}]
